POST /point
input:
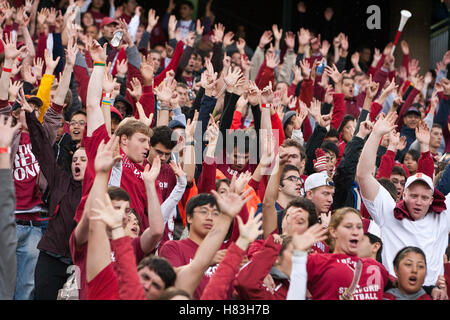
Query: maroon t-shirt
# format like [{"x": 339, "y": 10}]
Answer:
[
  {"x": 79, "y": 259},
  {"x": 180, "y": 253},
  {"x": 25, "y": 172},
  {"x": 330, "y": 274}
]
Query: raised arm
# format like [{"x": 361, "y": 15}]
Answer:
[
  {"x": 368, "y": 185},
  {"x": 104, "y": 161},
  {"x": 64, "y": 82},
  {"x": 154, "y": 232},
  {"x": 270, "y": 197},
  {"x": 189, "y": 276},
  {"x": 302, "y": 243},
  {"x": 220, "y": 282},
  {"x": 11, "y": 53},
  {"x": 94, "y": 93},
  {"x": 8, "y": 233}
]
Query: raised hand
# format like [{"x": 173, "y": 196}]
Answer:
[
  {"x": 38, "y": 67},
  {"x": 325, "y": 48},
  {"x": 385, "y": 124},
  {"x": 97, "y": 52},
  {"x": 234, "y": 74},
  {"x": 242, "y": 181},
  {"x": 219, "y": 31},
  {"x": 240, "y": 44},
  {"x": 423, "y": 134},
  {"x": 136, "y": 89},
  {"x": 199, "y": 28},
  {"x": 172, "y": 26},
  {"x": 176, "y": 168},
  {"x": 106, "y": 155},
  {"x": 372, "y": 88},
  {"x": 272, "y": 60},
  {"x": 106, "y": 213},
  {"x": 231, "y": 203},
  {"x": 413, "y": 67},
  {"x": 14, "y": 88},
  {"x": 315, "y": 233},
  {"x": 165, "y": 89},
  {"x": 51, "y": 17},
  {"x": 250, "y": 231},
  {"x": 365, "y": 129},
  {"x": 71, "y": 52},
  {"x": 253, "y": 94},
  {"x": 149, "y": 175},
  {"x": 306, "y": 68},
  {"x": 142, "y": 117},
  {"x": 304, "y": 37},
  {"x": 190, "y": 127},
  {"x": 228, "y": 39},
  {"x": 147, "y": 70},
  {"x": 289, "y": 40},
  {"x": 266, "y": 38},
  {"x": 23, "y": 102},
  {"x": 405, "y": 47},
  {"x": 122, "y": 68},
  {"x": 7, "y": 131},
  {"x": 267, "y": 94},
  {"x": 10, "y": 47}
]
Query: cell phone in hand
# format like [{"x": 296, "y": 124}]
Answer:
[
  {"x": 321, "y": 67},
  {"x": 117, "y": 38}
]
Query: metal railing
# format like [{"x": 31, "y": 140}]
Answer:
[{"x": 439, "y": 41}]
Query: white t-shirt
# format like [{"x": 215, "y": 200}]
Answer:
[{"x": 429, "y": 234}]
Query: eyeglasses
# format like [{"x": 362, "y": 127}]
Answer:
[
  {"x": 80, "y": 123},
  {"x": 293, "y": 179},
  {"x": 163, "y": 154},
  {"x": 205, "y": 212}
]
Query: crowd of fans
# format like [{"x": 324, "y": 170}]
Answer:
[{"x": 146, "y": 157}]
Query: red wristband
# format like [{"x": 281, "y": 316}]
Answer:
[
  {"x": 7, "y": 69},
  {"x": 4, "y": 150},
  {"x": 266, "y": 105}
]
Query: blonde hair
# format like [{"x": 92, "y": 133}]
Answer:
[{"x": 336, "y": 219}]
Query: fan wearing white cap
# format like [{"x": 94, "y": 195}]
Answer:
[
  {"x": 421, "y": 219},
  {"x": 371, "y": 244},
  {"x": 319, "y": 188}
]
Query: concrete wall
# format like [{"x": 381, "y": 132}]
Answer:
[{"x": 416, "y": 32}]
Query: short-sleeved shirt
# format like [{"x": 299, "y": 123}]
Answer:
[
  {"x": 26, "y": 171},
  {"x": 182, "y": 252},
  {"x": 429, "y": 234},
  {"x": 329, "y": 275}
]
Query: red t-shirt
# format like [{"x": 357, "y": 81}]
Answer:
[
  {"x": 104, "y": 286},
  {"x": 79, "y": 259},
  {"x": 330, "y": 274},
  {"x": 25, "y": 172},
  {"x": 180, "y": 253}
]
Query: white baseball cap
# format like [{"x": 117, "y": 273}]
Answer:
[
  {"x": 371, "y": 227},
  {"x": 318, "y": 180},
  {"x": 422, "y": 177}
]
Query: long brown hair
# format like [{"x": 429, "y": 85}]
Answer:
[{"x": 336, "y": 219}]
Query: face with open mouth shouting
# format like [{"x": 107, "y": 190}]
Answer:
[
  {"x": 76, "y": 126},
  {"x": 348, "y": 234},
  {"x": 411, "y": 271},
  {"x": 79, "y": 163}
]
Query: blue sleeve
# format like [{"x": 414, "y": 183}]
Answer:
[
  {"x": 58, "y": 51},
  {"x": 444, "y": 183},
  {"x": 442, "y": 114}
]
